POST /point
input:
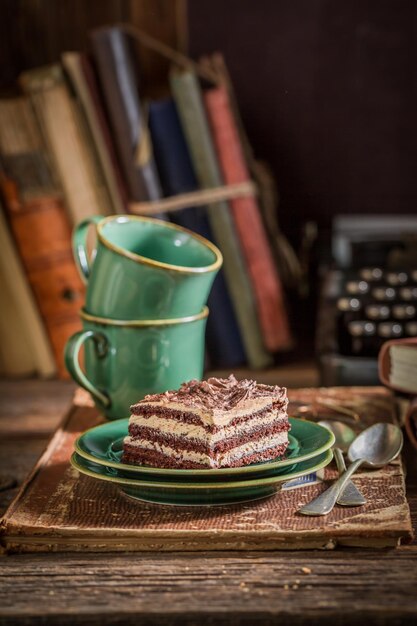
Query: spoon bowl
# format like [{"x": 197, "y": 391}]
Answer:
[
  {"x": 343, "y": 433},
  {"x": 377, "y": 446}
]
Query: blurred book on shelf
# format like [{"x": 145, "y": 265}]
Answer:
[
  {"x": 68, "y": 141},
  {"x": 84, "y": 84},
  {"x": 177, "y": 176},
  {"x": 119, "y": 77},
  {"x": 25, "y": 349},
  {"x": 398, "y": 365},
  {"x": 40, "y": 228},
  {"x": 104, "y": 146},
  {"x": 268, "y": 293},
  {"x": 188, "y": 97},
  {"x": 397, "y": 362}
]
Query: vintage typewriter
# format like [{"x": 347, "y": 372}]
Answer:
[{"x": 367, "y": 297}]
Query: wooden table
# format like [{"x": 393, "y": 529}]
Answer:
[{"x": 346, "y": 586}]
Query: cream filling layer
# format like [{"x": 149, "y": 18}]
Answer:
[
  {"x": 181, "y": 429},
  {"x": 221, "y": 458},
  {"x": 220, "y": 417}
]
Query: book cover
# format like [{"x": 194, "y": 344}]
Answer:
[
  {"x": 112, "y": 50},
  {"x": 177, "y": 176},
  {"x": 39, "y": 224},
  {"x": 264, "y": 277},
  {"x": 397, "y": 364},
  {"x": 43, "y": 236},
  {"x": 24, "y": 345},
  {"x": 188, "y": 98},
  {"x": 268, "y": 200},
  {"x": 65, "y": 136},
  {"x": 84, "y": 83}
]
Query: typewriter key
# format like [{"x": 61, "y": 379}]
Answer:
[
  {"x": 377, "y": 311},
  {"x": 390, "y": 330},
  {"x": 403, "y": 311},
  {"x": 396, "y": 278},
  {"x": 384, "y": 293}
]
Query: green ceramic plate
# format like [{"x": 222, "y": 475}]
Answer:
[
  {"x": 103, "y": 445},
  {"x": 200, "y": 493}
]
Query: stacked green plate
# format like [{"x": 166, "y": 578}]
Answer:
[{"x": 98, "y": 454}]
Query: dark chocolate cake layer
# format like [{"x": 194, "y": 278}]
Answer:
[{"x": 157, "y": 459}]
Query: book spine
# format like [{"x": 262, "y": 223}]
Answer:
[
  {"x": 43, "y": 236},
  {"x": 64, "y": 135},
  {"x": 187, "y": 95},
  {"x": 23, "y": 330},
  {"x": 264, "y": 277},
  {"x": 177, "y": 176},
  {"x": 84, "y": 84},
  {"x": 116, "y": 70},
  {"x": 410, "y": 421},
  {"x": 387, "y": 360}
]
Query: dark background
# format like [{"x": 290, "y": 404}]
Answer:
[
  {"x": 327, "y": 88},
  {"x": 328, "y": 93}
]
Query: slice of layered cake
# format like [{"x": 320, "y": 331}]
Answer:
[{"x": 220, "y": 422}]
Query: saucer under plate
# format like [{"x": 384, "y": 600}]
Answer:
[{"x": 199, "y": 493}]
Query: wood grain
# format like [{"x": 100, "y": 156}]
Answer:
[
  {"x": 32, "y": 408},
  {"x": 227, "y": 589}
]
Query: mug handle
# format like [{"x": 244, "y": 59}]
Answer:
[
  {"x": 72, "y": 350},
  {"x": 79, "y": 245}
]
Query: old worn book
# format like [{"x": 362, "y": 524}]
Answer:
[
  {"x": 23, "y": 153},
  {"x": 39, "y": 224},
  {"x": 83, "y": 81},
  {"x": 397, "y": 362},
  {"x": 58, "y": 509},
  {"x": 24, "y": 345},
  {"x": 68, "y": 142},
  {"x": 177, "y": 176},
  {"x": 112, "y": 50},
  {"x": 265, "y": 281},
  {"x": 398, "y": 365},
  {"x": 43, "y": 237},
  {"x": 188, "y": 98}
]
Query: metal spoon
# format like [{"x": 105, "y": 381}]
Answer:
[
  {"x": 350, "y": 496},
  {"x": 374, "y": 447},
  {"x": 343, "y": 433}
]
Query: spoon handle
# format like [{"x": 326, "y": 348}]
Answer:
[
  {"x": 350, "y": 496},
  {"x": 323, "y": 504}
]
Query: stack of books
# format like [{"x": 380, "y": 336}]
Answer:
[
  {"x": 397, "y": 362},
  {"x": 79, "y": 141}
]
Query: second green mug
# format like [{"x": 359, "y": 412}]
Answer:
[
  {"x": 124, "y": 361},
  {"x": 145, "y": 268}
]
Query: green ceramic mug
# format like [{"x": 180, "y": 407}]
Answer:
[
  {"x": 145, "y": 268},
  {"x": 125, "y": 360}
]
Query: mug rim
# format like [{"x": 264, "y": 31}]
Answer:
[
  {"x": 160, "y": 264},
  {"x": 107, "y": 321}
]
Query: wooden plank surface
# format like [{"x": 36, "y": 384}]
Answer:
[
  {"x": 204, "y": 589},
  {"x": 346, "y": 586}
]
